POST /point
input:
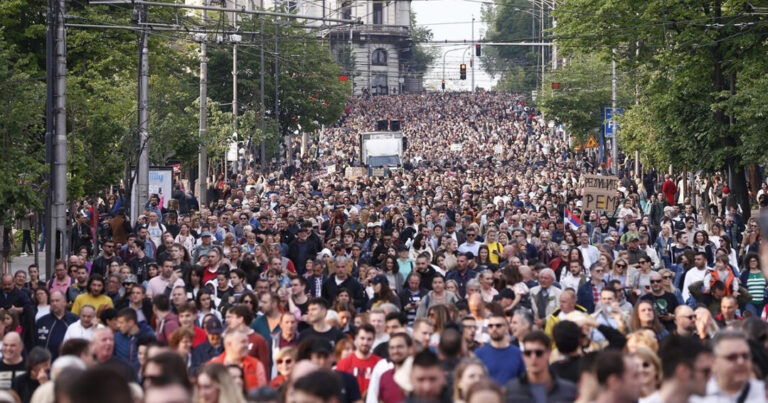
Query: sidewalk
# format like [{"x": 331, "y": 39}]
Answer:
[{"x": 23, "y": 262}]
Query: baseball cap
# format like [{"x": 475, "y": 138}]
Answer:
[
  {"x": 379, "y": 279},
  {"x": 131, "y": 279},
  {"x": 204, "y": 234},
  {"x": 213, "y": 326}
]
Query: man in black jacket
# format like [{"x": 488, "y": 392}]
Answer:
[
  {"x": 341, "y": 279},
  {"x": 210, "y": 348},
  {"x": 301, "y": 249}
]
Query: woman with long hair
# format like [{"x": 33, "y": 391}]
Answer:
[
  {"x": 663, "y": 241},
  {"x": 42, "y": 306},
  {"x": 382, "y": 294},
  {"x": 484, "y": 259},
  {"x": 644, "y": 317},
  {"x": 194, "y": 282},
  {"x": 440, "y": 316},
  {"x": 420, "y": 245},
  {"x": 205, "y": 306},
  {"x": 650, "y": 370},
  {"x": 668, "y": 283},
  {"x": 701, "y": 244},
  {"x": 185, "y": 237},
  {"x": 438, "y": 296},
  {"x": 467, "y": 373},
  {"x": 391, "y": 270},
  {"x": 753, "y": 280},
  {"x": 216, "y": 385},
  {"x": 181, "y": 343}
]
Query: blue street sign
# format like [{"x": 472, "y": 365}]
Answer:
[{"x": 609, "y": 123}]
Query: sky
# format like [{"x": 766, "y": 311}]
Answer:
[{"x": 451, "y": 20}]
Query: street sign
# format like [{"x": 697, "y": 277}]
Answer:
[
  {"x": 591, "y": 143},
  {"x": 610, "y": 125}
]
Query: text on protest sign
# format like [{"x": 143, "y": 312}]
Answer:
[{"x": 600, "y": 193}]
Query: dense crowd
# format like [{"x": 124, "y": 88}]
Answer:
[{"x": 455, "y": 278}]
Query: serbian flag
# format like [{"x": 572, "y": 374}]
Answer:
[{"x": 572, "y": 219}]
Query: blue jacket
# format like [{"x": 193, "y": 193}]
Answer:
[
  {"x": 50, "y": 331},
  {"x": 585, "y": 296},
  {"x": 126, "y": 347}
]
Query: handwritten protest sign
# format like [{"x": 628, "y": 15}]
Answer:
[
  {"x": 354, "y": 172},
  {"x": 600, "y": 192}
]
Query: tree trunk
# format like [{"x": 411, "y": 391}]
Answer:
[{"x": 738, "y": 185}]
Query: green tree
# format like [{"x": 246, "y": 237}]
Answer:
[
  {"x": 22, "y": 130},
  {"x": 511, "y": 21},
  {"x": 421, "y": 56},
  {"x": 699, "y": 69}
]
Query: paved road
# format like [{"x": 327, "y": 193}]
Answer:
[{"x": 22, "y": 262}]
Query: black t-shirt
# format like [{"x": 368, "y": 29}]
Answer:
[
  {"x": 350, "y": 390},
  {"x": 8, "y": 372},
  {"x": 662, "y": 305},
  {"x": 333, "y": 335}
]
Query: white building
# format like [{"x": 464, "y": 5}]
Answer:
[{"x": 380, "y": 46}]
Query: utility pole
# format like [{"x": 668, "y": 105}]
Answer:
[
  {"x": 56, "y": 136},
  {"x": 615, "y": 139},
  {"x": 262, "y": 146},
  {"x": 203, "y": 157},
  {"x": 235, "y": 39},
  {"x": 277, "y": 85},
  {"x": 142, "y": 171},
  {"x": 541, "y": 27},
  {"x": 472, "y": 57}
]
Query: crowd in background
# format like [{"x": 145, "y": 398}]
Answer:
[{"x": 453, "y": 278}]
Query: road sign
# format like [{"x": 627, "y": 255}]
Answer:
[
  {"x": 591, "y": 143},
  {"x": 610, "y": 125}
]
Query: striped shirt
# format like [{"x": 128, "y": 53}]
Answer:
[{"x": 756, "y": 286}]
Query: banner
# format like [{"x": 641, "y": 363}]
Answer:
[
  {"x": 354, "y": 172},
  {"x": 600, "y": 192}
]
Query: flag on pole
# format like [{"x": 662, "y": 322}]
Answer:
[{"x": 572, "y": 219}]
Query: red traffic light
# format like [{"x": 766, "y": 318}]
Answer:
[{"x": 478, "y": 51}]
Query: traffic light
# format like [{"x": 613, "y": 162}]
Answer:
[
  {"x": 462, "y": 71},
  {"x": 478, "y": 51},
  {"x": 443, "y": 85}
]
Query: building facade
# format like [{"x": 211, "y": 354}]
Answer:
[{"x": 375, "y": 54}]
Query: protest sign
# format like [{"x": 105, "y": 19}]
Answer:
[{"x": 600, "y": 192}]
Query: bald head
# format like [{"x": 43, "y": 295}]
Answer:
[
  {"x": 7, "y": 282},
  {"x": 12, "y": 348}
]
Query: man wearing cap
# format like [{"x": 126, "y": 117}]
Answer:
[
  {"x": 212, "y": 346},
  {"x": 635, "y": 254},
  {"x": 301, "y": 249},
  {"x": 202, "y": 249},
  {"x": 165, "y": 282}
]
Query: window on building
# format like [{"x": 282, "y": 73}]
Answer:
[
  {"x": 346, "y": 10},
  {"x": 378, "y": 13},
  {"x": 379, "y": 85},
  {"x": 379, "y": 57}
]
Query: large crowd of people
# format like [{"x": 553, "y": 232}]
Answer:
[{"x": 453, "y": 278}]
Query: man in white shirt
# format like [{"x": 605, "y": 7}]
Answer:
[
  {"x": 590, "y": 253},
  {"x": 155, "y": 229},
  {"x": 696, "y": 273},
  {"x": 470, "y": 245},
  {"x": 83, "y": 328}
]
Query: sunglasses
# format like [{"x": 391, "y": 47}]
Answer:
[
  {"x": 529, "y": 353},
  {"x": 493, "y": 325},
  {"x": 655, "y": 281},
  {"x": 668, "y": 277},
  {"x": 621, "y": 265},
  {"x": 287, "y": 361}
]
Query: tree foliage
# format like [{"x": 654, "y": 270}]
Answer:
[
  {"x": 699, "y": 68},
  {"x": 510, "y": 21}
]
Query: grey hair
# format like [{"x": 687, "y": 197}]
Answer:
[
  {"x": 473, "y": 283},
  {"x": 727, "y": 334},
  {"x": 548, "y": 271},
  {"x": 340, "y": 260}
]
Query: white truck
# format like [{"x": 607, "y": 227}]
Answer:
[{"x": 382, "y": 149}]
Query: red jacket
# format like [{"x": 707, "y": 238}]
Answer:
[{"x": 253, "y": 371}]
